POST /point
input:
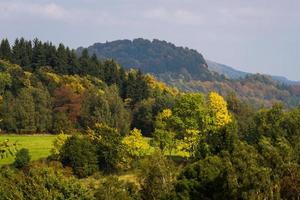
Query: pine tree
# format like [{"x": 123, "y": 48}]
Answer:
[
  {"x": 5, "y": 50},
  {"x": 62, "y": 57},
  {"x": 38, "y": 54}
]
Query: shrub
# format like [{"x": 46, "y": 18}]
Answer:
[
  {"x": 22, "y": 158},
  {"x": 80, "y": 154}
]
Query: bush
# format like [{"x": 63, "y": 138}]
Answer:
[
  {"x": 22, "y": 158},
  {"x": 80, "y": 154},
  {"x": 41, "y": 181}
]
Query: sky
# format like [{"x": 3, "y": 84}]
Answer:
[{"x": 259, "y": 36}]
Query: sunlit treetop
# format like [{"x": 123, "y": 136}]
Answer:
[{"x": 218, "y": 111}]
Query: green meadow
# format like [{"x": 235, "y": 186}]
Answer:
[{"x": 39, "y": 146}]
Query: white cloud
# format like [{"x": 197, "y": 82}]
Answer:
[
  {"x": 180, "y": 16},
  {"x": 17, "y": 9}
]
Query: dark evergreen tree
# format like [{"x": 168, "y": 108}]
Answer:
[
  {"x": 38, "y": 55},
  {"x": 5, "y": 50}
]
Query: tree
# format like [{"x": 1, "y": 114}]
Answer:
[
  {"x": 58, "y": 143},
  {"x": 290, "y": 183},
  {"x": 143, "y": 116},
  {"x": 5, "y": 50},
  {"x": 5, "y": 81},
  {"x": 80, "y": 154},
  {"x": 38, "y": 55},
  {"x": 163, "y": 137},
  {"x": 204, "y": 179},
  {"x": 22, "y": 158},
  {"x": 25, "y": 111},
  {"x": 218, "y": 115},
  {"x": 136, "y": 86},
  {"x": 135, "y": 144},
  {"x": 114, "y": 189},
  {"x": 41, "y": 181},
  {"x": 68, "y": 102},
  {"x": 111, "y": 153},
  {"x": 105, "y": 107},
  {"x": 62, "y": 59},
  {"x": 157, "y": 177},
  {"x": 43, "y": 108}
]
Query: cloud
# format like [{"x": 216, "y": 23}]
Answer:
[
  {"x": 16, "y": 9},
  {"x": 180, "y": 16}
]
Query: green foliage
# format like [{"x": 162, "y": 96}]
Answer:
[
  {"x": 162, "y": 137},
  {"x": 111, "y": 153},
  {"x": 158, "y": 175},
  {"x": 80, "y": 154},
  {"x": 203, "y": 180},
  {"x": 22, "y": 158},
  {"x": 41, "y": 182},
  {"x": 7, "y": 148},
  {"x": 58, "y": 143},
  {"x": 114, "y": 189},
  {"x": 230, "y": 176}
]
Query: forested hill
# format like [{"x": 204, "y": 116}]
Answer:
[
  {"x": 154, "y": 56},
  {"x": 187, "y": 70}
]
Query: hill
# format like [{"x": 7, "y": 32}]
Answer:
[
  {"x": 187, "y": 70},
  {"x": 226, "y": 70},
  {"x": 156, "y": 56}
]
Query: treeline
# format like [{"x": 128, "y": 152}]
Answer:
[
  {"x": 258, "y": 90},
  {"x": 50, "y": 89}
]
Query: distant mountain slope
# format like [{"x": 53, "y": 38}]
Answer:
[
  {"x": 154, "y": 56},
  {"x": 226, "y": 70},
  {"x": 232, "y": 73}
]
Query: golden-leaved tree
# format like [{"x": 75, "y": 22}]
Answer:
[
  {"x": 218, "y": 115},
  {"x": 135, "y": 144}
]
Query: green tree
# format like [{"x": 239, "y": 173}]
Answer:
[
  {"x": 22, "y": 158},
  {"x": 157, "y": 178},
  {"x": 43, "y": 108},
  {"x": 5, "y": 50},
  {"x": 110, "y": 149},
  {"x": 25, "y": 111},
  {"x": 80, "y": 154}
]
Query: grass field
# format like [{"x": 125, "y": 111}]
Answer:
[{"x": 39, "y": 146}]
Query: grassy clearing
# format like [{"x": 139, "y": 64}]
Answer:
[{"x": 39, "y": 146}]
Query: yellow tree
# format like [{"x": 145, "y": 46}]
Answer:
[
  {"x": 218, "y": 114},
  {"x": 135, "y": 144}
]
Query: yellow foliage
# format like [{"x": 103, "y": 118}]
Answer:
[
  {"x": 189, "y": 143},
  {"x": 54, "y": 77},
  {"x": 166, "y": 113},
  {"x": 218, "y": 109},
  {"x": 77, "y": 83},
  {"x": 155, "y": 84},
  {"x": 135, "y": 143}
]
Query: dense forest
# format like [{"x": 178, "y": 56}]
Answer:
[
  {"x": 187, "y": 70},
  {"x": 122, "y": 134}
]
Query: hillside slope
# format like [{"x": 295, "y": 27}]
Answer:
[
  {"x": 154, "y": 56},
  {"x": 189, "y": 71},
  {"x": 232, "y": 73}
]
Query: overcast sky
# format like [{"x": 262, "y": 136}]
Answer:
[{"x": 251, "y": 35}]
